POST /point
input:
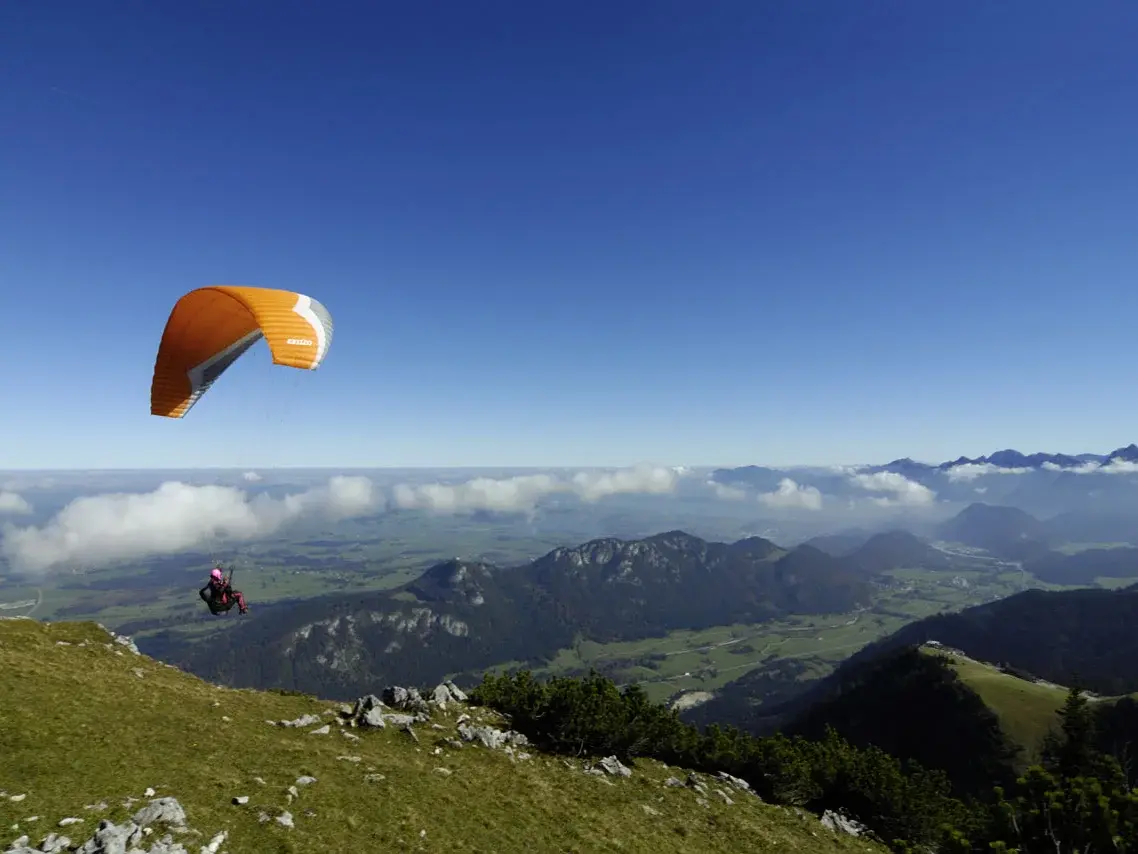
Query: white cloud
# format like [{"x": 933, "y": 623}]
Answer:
[
  {"x": 642, "y": 478},
  {"x": 1116, "y": 466},
  {"x": 482, "y": 493},
  {"x": 1119, "y": 466},
  {"x": 727, "y": 493},
  {"x": 251, "y": 476},
  {"x": 791, "y": 494},
  {"x": 13, "y": 502},
  {"x": 971, "y": 471},
  {"x": 176, "y": 516},
  {"x": 522, "y": 493},
  {"x": 903, "y": 491}
]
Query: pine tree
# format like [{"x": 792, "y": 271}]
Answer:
[{"x": 1071, "y": 752}]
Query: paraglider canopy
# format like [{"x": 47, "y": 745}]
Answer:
[{"x": 211, "y": 328}]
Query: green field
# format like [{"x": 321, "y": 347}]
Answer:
[
  {"x": 84, "y": 727},
  {"x": 702, "y": 662}
]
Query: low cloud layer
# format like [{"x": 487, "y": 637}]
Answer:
[
  {"x": 521, "y": 494},
  {"x": 971, "y": 471},
  {"x": 900, "y": 490},
  {"x": 791, "y": 494},
  {"x": 13, "y": 502},
  {"x": 1115, "y": 466},
  {"x": 100, "y": 529}
]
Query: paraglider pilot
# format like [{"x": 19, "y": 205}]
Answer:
[{"x": 220, "y": 596}]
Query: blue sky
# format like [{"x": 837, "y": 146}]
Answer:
[{"x": 579, "y": 234}]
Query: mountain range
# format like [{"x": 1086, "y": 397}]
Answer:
[
  {"x": 461, "y": 617},
  {"x": 1041, "y": 483},
  {"x": 1013, "y": 459}
]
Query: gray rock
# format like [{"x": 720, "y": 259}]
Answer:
[
  {"x": 128, "y": 643},
  {"x": 373, "y": 718},
  {"x": 405, "y": 700},
  {"x": 839, "y": 823},
  {"x": 305, "y": 780},
  {"x": 19, "y": 842},
  {"x": 111, "y": 838},
  {"x": 324, "y": 730},
  {"x": 446, "y": 772},
  {"x": 456, "y": 692},
  {"x": 491, "y": 736},
  {"x": 612, "y": 765},
  {"x": 53, "y": 844},
  {"x": 215, "y": 844},
  {"x": 70, "y": 820},
  {"x": 285, "y": 819},
  {"x": 99, "y": 807},
  {"x": 693, "y": 782},
  {"x": 241, "y": 800},
  {"x": 303, "y": 720},
  {"x": 398, "y": 719},
  {"x": 17, "y": 798},
  {"x": 736, "y": 782},
  {"x": 441, "y": 696},
  {"x": 674, "y": 782},
  {"x": 364, "y": 704},
  {"x": 164, "y": 810}
]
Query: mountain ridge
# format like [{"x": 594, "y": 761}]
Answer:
[{"x": 460, "y": 617}]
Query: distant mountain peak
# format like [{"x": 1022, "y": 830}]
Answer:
[
  {"x": 1128, "y": 454},
  {"x": 454, "y": 580},
  {"x": 607, "y": 552}
]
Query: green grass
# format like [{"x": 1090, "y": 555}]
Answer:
[
  {"x": 81, "y": 724},
  {"x": 1026, "y": 710}
]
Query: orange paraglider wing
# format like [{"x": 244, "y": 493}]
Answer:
[{"x": 211, "y": 328}]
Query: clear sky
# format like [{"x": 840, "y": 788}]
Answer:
[{"x": 577, "y": 233}]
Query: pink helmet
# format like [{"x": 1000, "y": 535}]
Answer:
[{"x": 216, "y": 574}]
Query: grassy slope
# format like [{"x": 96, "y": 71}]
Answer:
[
  {"x": 83, "y": 724},
  {"x": 1026, "y": 710}
]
